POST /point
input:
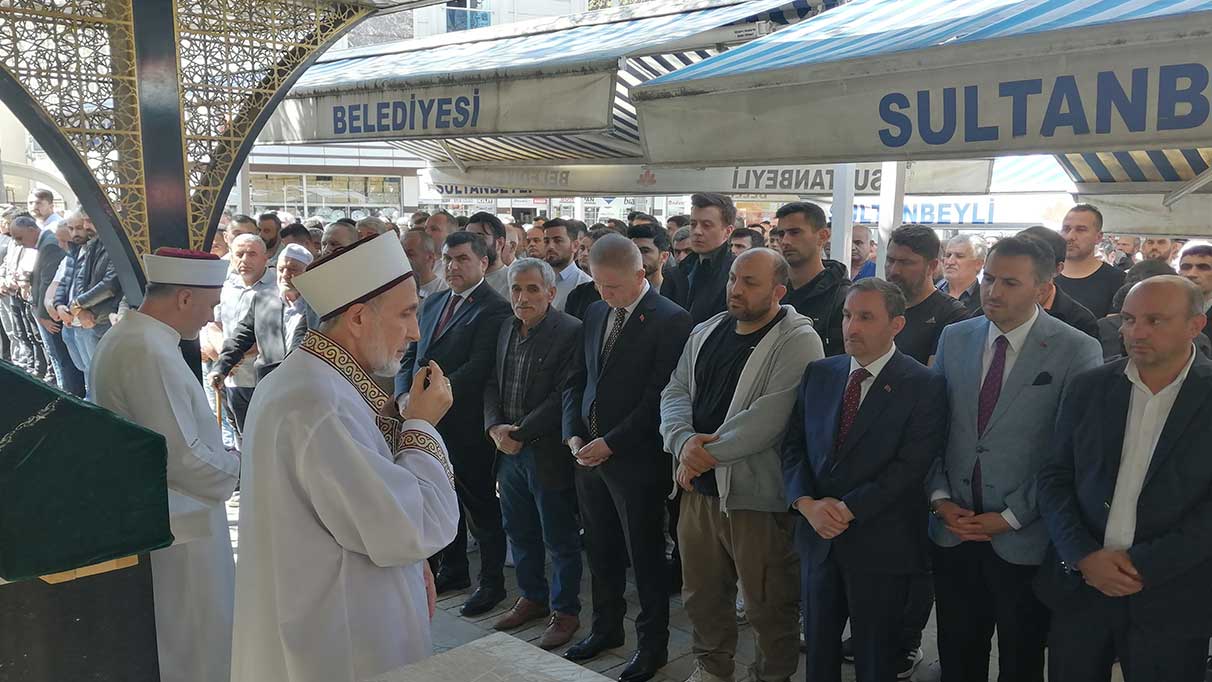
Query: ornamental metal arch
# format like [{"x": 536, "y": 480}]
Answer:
[{"x": 149, "y": 107}]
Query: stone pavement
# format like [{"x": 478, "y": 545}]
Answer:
[{"x": 451, "y": 630}]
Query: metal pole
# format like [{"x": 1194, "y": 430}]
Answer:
[
  {"x": 842, "y": 214},
  {"x": 892, "y": 208}
]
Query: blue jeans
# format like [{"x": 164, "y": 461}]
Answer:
[
  {"x": 70, "y": 379},
  {"x": 538, "y": 520},
  {"x": 82, "y": 346}
]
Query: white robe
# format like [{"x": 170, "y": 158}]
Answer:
[
  {"x": 139, "y": 373},
  {"x": 334, "y": 525}
]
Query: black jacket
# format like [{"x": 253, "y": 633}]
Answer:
[
  {"x": 579, "y": 299},
  {"x": 1074, "y": 314},
  {"x": 674, "y": 285},
  {"x": 877, "y": 471},
  {"x": 556, "y": 342},
  {"x": 628, "y": 387},
  {"x": 95, "y": 284},
  {"x": 466, "y": 353},
  {"x": 49, "y": 256},
  {"x": 821, "y": 300},
  {"x": 707, "y": 293},
  {"x": 264, "y": 325},
  {"x": 1172, "y": 549}
]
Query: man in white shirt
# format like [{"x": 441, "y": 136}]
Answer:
[
  {"x": 138, "y": 372},
  {"x": 41, "y": 205},
  {"x": 1126, "y": 498},
  {"x": 560, "y": 239},
  {"x": 423, "y": 257},
  {"x": 341, "y": 504}
]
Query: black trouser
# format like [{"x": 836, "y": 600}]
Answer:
[
  {"x": 622, "y": 520},
  {"x": 28, "y": 330},
  {"x": 918, "y": 606},
  {"x": 238, "y": 399},
  {"x": 476, "y": 486},
  {"x": 977, "y": 592},
  {"x": 1084, "y": 644},
  {"x": 875, "y": 604}
]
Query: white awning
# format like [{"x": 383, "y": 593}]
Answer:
[{"x": 1092, "y": 80}]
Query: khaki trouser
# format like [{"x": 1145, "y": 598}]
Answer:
[{"x": 757, "y": 548}]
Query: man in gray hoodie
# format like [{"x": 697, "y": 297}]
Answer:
[{"x": 722, "y": 417}]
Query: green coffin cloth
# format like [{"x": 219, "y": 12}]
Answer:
[{"x": 78, "y": 484}]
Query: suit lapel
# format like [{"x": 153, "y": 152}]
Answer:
[
  {"x": 972, "y": 357},
  {"x": 879, "y": 396},
  {"x": 596, "y": 329},
  {"x": 835, "y": 387},
  {"x": 1028, "y": 365},
  {"x": 632, "y": 328},
  {"x": 429, "y": 321},
  {"x": 503, "y": 349},
  {"x": 463, "y": 311},
  {"x": 1118, "y": 395},
  {"x": 1195, "y": 391}
]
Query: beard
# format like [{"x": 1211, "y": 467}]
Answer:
[{"x": 382, "y": 360}]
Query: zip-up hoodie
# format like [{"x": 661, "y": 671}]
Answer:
[
  {"x": 821, "y": 299},
  {"x": 750, "y": 474}
]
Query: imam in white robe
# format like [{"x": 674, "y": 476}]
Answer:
[
  {"x": 139, "y": 373},
  {"x": 334, "y": 525}
]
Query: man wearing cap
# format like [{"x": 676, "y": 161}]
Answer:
[
  {"x": 341, "y": 506},
  {"x": 274, "y": 323},
  {"x": 138, "y": 372}
]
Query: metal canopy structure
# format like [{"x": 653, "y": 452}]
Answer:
[
  {"x": 543, "y": 91},
  {"x": 149, "y": 107}
]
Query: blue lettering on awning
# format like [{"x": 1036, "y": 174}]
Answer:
[{"x": 424, "y": 113}]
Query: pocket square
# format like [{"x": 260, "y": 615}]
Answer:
[{"x": 1043, "y": 379}]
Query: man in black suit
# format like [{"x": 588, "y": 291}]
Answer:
[
  {"x": 706, "y": 268},
  {"x": 632, "y": 341},
  {"x": 275, "y": 323},
  {"x": 865, "y": 429},
  {"x": 1055, "y": 301},
  {"x": 523, "y": 414},
  {"x": 1126, "y": 499},
  {"x": 459, "y": 331}
]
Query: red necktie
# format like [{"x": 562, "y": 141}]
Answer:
[
  {"x": 850, "y": 404},
  {"x": 451, "y": 305},
  {"x": 991, "y": 389}
]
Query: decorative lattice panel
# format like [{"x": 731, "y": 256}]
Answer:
[
  {"x": 76, "y": 58},
  {"x": 234, "y": 56}
]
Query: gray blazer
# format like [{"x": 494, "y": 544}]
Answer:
[{"x": 1020, "y": 432}]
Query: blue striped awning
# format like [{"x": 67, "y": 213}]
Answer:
[
  {"x": 1159, "y": 165},
  {"x": 870, "y": 28}
]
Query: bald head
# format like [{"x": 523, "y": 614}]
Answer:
[
  {"x": 757, "y": 283},
  {"x": 1161, "y": 317}
]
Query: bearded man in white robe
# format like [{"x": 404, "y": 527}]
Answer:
[{"x": 342, "y": 506}]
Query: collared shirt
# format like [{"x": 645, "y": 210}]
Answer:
[
  {"x": 234, "y": 302},
  {"x": 460, "y": 299},
  {"x": 876, "y": 366},
  {"x": 519, "y": 366},
  {"x": 432, "y": 287},
  {"x": 610, "y": 313},
  {"x": 1015, "y": 338},
  {"x": 566, "y": 280},
  {"x": 292, "y": 314},
  {"x": 1147, "y": 415},
  {"x": 966, "y": 295}
]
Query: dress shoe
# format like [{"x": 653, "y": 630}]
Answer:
[
  {"x": 523, "y": 612},
  {"x": 644, "y": 665},
  {"x": 560, "y": 630},
  {"x": 482, "y": 601},
  {"x": 592, "y": 646},
  {"x": 445, "y": 582}
]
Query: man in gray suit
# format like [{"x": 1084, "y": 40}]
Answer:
[{"x": 1005, "y": 375}]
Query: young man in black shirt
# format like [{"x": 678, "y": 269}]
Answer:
[
  {"x": 1086, "y": 278},
  {"x": 818, "y": 287},
  {"x": 722, "y": 415},
  {"x": 913, "y": 254},
  {"x": 706, "y": 268},
  {"x": 912, "y": 258}
]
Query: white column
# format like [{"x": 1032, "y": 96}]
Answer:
[
  {"x": 892, "y": 207},
  {"x": 843, "y": 213},
  {"x": 243, "y": 190},
  {"x": 410, "y": 193},
  {"x": 578, "y": 208}
]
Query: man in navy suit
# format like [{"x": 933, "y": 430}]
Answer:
[
  {"x": 865, "y": 428},
  {"x": 1127, "y": 498},
  {"x": 633, "y": 338},
  {"x": 459, "y": 331},
  {"x": 1005, "y": 375}
]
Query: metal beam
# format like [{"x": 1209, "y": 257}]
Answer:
[
  {"x": 1188, "y": 187},
  {"x": 454, "y": 158}
]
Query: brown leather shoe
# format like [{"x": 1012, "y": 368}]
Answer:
[
  {"x": 523, "y": 612},
  {"x": 560, "y": 630}
]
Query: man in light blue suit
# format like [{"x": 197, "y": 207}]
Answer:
[{"x": 1005, "y": 375}]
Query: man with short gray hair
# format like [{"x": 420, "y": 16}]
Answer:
[
  {"x": 962, "y": 262},
  {"x": 523, "y": 401},
  {"x": 632, "y": 340},
  {"x": 337, "y": 236},
  {"x": 371, "y": 226},
  {"x": 249, "y": 261}
]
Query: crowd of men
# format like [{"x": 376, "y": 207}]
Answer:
[
  {"x": 817, "y": 448},
  {"x": 59, "y": 292}
]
